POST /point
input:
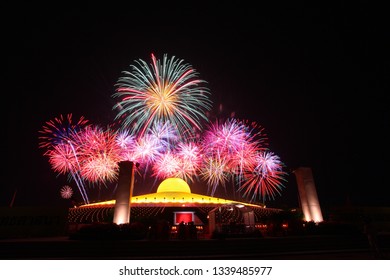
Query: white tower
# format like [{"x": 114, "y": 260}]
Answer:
[
  {"x": 308, "y": 195},
  {"x": 124, "y": 192}
]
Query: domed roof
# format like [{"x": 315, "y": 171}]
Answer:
[{"x": 173, "y": 185}]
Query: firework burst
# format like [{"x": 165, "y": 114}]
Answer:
[
  {"x": 66, "y": 192},
  {"x": 62, "y": 158},
  {"x": 231, "y": 145},
  {"x": 214, "y": 172},
  {"x": 99, "y": 154},
  {"x": 160, "y": 92},
  {"x": 59, "y": 130},
  {"x": 161, "y": 109},
  {"x": 266, "y": 179},
  {"x": 164, "y": 134},
  {"x": 191, "y": 160},
  {"x": 166, "y": 165},
  {"x": 59, "y": 138}
]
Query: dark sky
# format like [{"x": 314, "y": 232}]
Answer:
[{"x": 314, "y": 76}]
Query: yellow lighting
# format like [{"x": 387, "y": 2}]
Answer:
[
  {"x": 174, "y": 185},
  {"x": 174, "y": 191}
]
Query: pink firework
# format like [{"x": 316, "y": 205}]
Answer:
[
  {"x": 124, "y": 139},
  {"x": 266, "y": 179},
  {"x": 184, "y": 162},
  {"x": 190, "y": 158},
  {"x": 98, "y": 154},
  {"x": 146, "y": 149},
  {"x": 66, "y": 192},
  {"x": 166, "y": 165},
  {"x": 228, "y": 149},
  {"x": 224, "y": 138},
  {"x": 62, "y": 158},
  {"x": 100, "y": 168},
  {"x": 257, "y": 133},
  {"x": 59, "y": 130},
  {"x": 126, "y": 142},
  {"x": 244, "y": 158}
]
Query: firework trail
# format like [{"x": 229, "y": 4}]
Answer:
[{"x": 167, "y": 91}]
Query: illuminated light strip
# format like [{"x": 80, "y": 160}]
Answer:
[{"x": 175, "y": 198}]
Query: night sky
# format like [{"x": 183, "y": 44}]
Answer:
[{"x": 315, "y": 77}]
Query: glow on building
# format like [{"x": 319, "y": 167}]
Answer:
[
  {"x": 308, "y": 195},
  {"x": 124, "y": 192},
  {"x": 175, "y": 192}
]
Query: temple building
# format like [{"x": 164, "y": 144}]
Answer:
[{"x": 174, "y": 203}]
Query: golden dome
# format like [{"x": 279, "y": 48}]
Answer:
[{"x": 173, "y": 185}]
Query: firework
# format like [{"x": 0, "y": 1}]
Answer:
[
  {"x": 182, "y": 162},
  {"x": 62, "y": 158},
  {"x": 126, "y": 143},
  {"x": 224, "y": 138},
  {"x": 232, "y": 151},
  {"x": 229, "y": 148},
  {"x": 164, "y": 134},
  {"x": 99, "y": 154},
  {"x": 191, "y": 160},
  {"x": 167, "y": 91},
  {"x": 146, "y": 149},
  {"x": 59, "y": 138},
  {"x": 66, "y": 192},
  {"x": 59, "y": 130},
  {"x": 266, "y": 179},
  {"x": 214, "y": 172},
  {"x": 166, "y": 165},
  {"x": 161, "y": 109}
]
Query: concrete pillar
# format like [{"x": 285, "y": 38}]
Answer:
[
  {"x": 124, "y": 192},
  {"x": 308, "y": 194}
]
